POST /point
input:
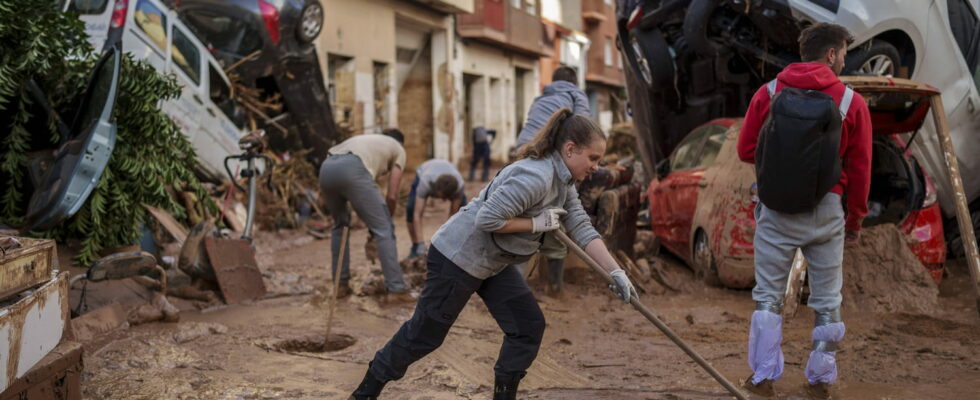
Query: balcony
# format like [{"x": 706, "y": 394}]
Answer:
[
  {"x": 498, "y": 23},
  {"x": 449, "y": 6},
  {"x": 596, "y": 11}
]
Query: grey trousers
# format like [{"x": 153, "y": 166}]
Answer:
[
  {"x": 344, "y": 179},
  {"x": 819, "y": 234}
]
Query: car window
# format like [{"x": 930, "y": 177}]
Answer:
[
  {"x": 220, "y": 94},
  {"x": 186, "y": 55},
  {"x": 688, "y": 152},
  {"x": 230, "y": 37},
  {"x": 94, "y": 106},
  {"x": 152, "y": 21},
  {"x": 88, "y": 6},
  {"x": 712, "y": 145},
  {"x": 963, "y": 24}
]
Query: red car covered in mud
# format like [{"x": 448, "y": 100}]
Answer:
[{"x": 702, "y": 199}]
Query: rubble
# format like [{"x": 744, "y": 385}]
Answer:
[
  {"x": 158, "y": 309},
  {"x": 881, "y": 274},
  {"x": 189, "y": 331}
]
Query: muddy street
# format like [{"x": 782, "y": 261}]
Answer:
[{"x": 594, "y": 348}]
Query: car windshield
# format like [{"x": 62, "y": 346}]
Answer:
[
  {"x": 229, "y": 37},
  {"x": 699, "y": 148}
]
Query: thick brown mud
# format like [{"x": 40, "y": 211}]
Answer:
[{"x": 595, "y": 347}]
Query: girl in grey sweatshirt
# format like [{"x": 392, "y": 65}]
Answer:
[{"x": 475, "y": 252}]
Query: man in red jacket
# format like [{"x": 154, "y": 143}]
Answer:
[{"x": 819, "y": 233}]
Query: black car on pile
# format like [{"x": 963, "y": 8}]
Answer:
[{"x": 271, "y": 41}]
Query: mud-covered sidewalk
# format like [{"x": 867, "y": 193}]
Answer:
[{"x": 595, "y": 347}]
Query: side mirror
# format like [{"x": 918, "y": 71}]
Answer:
[{"x": 663, "y": 168}]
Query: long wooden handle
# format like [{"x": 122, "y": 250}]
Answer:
[
  {"x": 635, "y": 302},
  {"x": 336, "y": 280},
  {"x": 967, "y": 235}
]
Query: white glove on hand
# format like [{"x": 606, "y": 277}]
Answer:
[
  {"x": 548, "y": 220},
  {"x": 623, "y": 288}
]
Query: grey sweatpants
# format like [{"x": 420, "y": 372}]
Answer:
[
  {"x": 819, "y": 234},
  {"x": 344, "y": 179}
]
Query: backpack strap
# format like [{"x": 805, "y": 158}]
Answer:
[
  {"x": 845, "y": 102},
  {"x": 843, "y": 107}
]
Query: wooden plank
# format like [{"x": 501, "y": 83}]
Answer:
[
  {"x": 959, "y": 195},
  {"x": 169, "y": 223},
  {"x": 233, "y": 261}
]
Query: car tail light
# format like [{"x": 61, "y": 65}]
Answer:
[
  {"x": 635, "y": 17},
  {"x": 119, "y": 13},
  {"x": 930, "y": 195},
  {"x": 270, "y": 15}
]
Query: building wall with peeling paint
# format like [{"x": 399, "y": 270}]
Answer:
[
  {"x": 371, "y": 35},
  {"x": 498, "y": 99}
]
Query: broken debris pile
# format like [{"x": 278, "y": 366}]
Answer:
[
  {"x": 881, "y": 274},
  {"x": 293, "y": 196}
]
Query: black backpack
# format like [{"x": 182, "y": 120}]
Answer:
[{"x": 797, "y": 159}]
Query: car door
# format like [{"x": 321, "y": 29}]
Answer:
[
  {"x": 964, "y": 113},
  {"x": 185, "y": 62},
  {"x": 82, "y": 156},
  {"x": 216, "y": 120},
  {"x": 952, "y": 66},
  {"x": 684, "y": 201},
  {"x": 678, "y": 190}
]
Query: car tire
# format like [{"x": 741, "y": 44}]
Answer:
[
  {"x": 310, "y": 22},
  {"x": 651, "y": 58},
  {"x": 703, "y": 262},
  {"x": 879, "y": 59}
]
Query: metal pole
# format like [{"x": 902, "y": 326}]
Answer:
[
  {"x": 252, "y": 189},
  {"x": 635, "y": 302}
]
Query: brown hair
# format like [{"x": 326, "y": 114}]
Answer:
[
  {"x": 445, "y": 186},
  {"x": 394, "y": 133},
  {"x": 820, "y": 37},
  {"x": 562, "y": 127},
  {"x": 565, "y": 73}
]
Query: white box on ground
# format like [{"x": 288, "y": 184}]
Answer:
[{"x": 31, "y": 325}]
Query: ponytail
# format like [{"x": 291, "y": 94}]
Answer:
[{"x": 563, "y": 126}]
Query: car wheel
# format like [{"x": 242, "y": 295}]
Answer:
[
  {"x": 653, "y": 58},
  {"x": 879, "y": 59},
  {"x": 704, "y": 262},
  {"x": 310, "y": 22}
]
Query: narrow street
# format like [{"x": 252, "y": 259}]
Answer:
[{"x": 594, "y": 348}]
